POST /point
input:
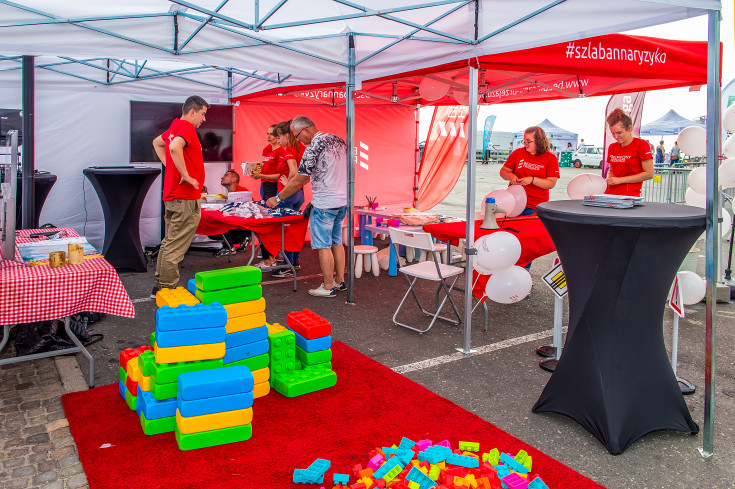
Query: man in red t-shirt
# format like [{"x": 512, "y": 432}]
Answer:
[{"x": 180, "y": 151}]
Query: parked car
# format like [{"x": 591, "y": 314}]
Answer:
[{"x": 588, "y": 156}]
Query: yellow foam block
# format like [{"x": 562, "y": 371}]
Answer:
[
  {"x": 245, "y": 308},
  {"x": 261, "y": 389},
  {"x": 175, "y": 297},
  {"x": 241, "y": 323},
  {"x": 133, "y": 370},
  {"x": 261, "y": 375},
  {"x": 214, "y": 421},
  {"x": 145, "y": 383},
  {"x": 275, "y": 328},
  {"x": 191, "y": 353}
]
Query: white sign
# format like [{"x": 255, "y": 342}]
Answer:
[
  {"x": 556, "y": 280},
  {"x": 676, "y": 302}
]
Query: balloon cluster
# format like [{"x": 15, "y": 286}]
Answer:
[
  {"x": 497, "y": 254},
  {"x": 513, "y": 197},
  {"x": 586, "y": 184}
]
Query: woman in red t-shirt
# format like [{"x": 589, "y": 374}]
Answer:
[
  {"x": 534, "y": 167},
  {"x": 630, "y": 158},
  {"x": 268, "y": 175}
]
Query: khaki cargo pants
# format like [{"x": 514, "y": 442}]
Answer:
[{"x": 181, "y": 218}]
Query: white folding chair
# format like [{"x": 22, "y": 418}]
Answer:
[{"x": 432, "y": 270}]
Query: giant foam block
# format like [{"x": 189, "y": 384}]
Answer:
[
  {"x": 227, "y": 278},
  {"x": 175, "y": 297},
  {"x": 245, "y": 351},
  {"x": 253, "y": 363},
  {"x": 299, "y": 382},
  {"x": 230, "y": 296},
  {"x": 152, "y": 408},
  {"x": 191, "y": 353},
  {"x": 188, "y": 337},
  {"x": 190, "y": 317},
  {"x": 316, "y": 344},
  {"x": 212, "y": 438},
  {"x": 157, "y": 426},
  {"x": 246, "y": 308},
  {"x": 166, "y": 373},
  {"x": 214, "y": 421},
  {"x": 308, "y": 324},
  {"x": 215, "y": 383},
  {"x": 247, "y": 336},
  {"x": 242, "y": 323},
  {"x": 211, "y": 405},
  {"x": 282, "y": 353},
  {"x": 314, "y": 357}
]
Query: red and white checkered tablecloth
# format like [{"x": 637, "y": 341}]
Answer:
[{"x": 40, "y": 293}]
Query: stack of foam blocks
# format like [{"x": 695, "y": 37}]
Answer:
[
  {"x": 214, "y": 407},
  {"x": 131, "y": 376},
  {"x": 307, "y": 341}
]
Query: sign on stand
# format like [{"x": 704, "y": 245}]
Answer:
[
  {"x": 556, "y": 280},
  {"x": 676, "y": 302}
]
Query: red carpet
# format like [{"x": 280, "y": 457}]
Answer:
[{"x": 370, "y": 406}]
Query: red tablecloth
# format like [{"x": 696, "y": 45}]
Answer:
[
  {"x": 40, "y": 293},
  {"x": 535, "y": 241},
  {"x": 268, "y": 229}
]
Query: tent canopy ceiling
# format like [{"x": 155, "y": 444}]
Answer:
[
  {"x": 298, "y": 42},
  {"x": 669, "y": 124}
]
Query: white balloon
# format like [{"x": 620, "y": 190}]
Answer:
[
  {"x": 499, "y": 251},
  {"x": 519, "y": 194},
  {"x": 695, "y": 198},
  {"x": 728, "y": 149},
  {"x": 462, "y": 97},
  {"x": 728, "y": 118},
  {"x": 693, "y": 140},
  {"x": 510, "y": 285},
  {"x": 432, "y": 89},
  {"x": 480, "y": 269},
  {"x": 586, "y": 184},
  {"x": 503, "y": 199},
  {"x": 726, "y": 173},
  {"x": 726, "y": 222},
  {"x": 692, "y": 287},
  {"x": 697, "y": 179}
]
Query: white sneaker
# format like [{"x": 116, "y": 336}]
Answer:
[
  {"x": 262, "y": 265},
  {"x": 322, "y": 292}
]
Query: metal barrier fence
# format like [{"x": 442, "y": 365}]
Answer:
[{"x": 669, "y": 183}]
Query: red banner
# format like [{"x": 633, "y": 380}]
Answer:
[{"x": 632, "y": 104}]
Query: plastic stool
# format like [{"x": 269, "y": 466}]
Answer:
[{"x": 371, "y": 261}]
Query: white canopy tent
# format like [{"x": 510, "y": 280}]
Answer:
[{"x": 275, "y": 43}]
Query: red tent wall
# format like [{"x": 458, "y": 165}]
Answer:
[{"x": 385, "y": 138}]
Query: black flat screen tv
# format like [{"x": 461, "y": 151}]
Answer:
[{"x": 149, "y": 120}]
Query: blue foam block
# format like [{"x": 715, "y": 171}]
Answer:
[
  {"x": 244, "y": 337},
  {"x": 121, "y": 387},
  {"x": 214, "y": 404},
  {"x": 186, "y": 337},
  {"x": 217, "y": 382},
  {"x": 152, "y": 408},
  {"x": 317, "y": 344},
  {"x": 197, "y": 316},
  {"x": 191, "y": 286},
  {"x": 247, "y": 350}
]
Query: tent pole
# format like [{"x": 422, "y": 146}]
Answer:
[
  {"x": 29, "y": 112},
  {"x": 350, "y": 118},
  {"x": 417, "y": 163},
  {"x": 470, "y": 232},
  {"x": 713, "y": 241}
]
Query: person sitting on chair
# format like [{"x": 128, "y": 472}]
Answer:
[{"x": 231, "y": 182}]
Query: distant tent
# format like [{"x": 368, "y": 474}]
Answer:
[
  {"x": 559, "y": 137},
  {"x": 668, "y": 125}
]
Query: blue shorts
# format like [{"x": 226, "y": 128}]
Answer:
[{"x": 326, "y": 227}]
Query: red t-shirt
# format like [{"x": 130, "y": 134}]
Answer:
[
  {"x": 289, "y": 153},
  {"x": 270, "y": 161},
  {"x": 626, "y": 161},
  {"x": 524, "y": 164},
  {"x": 172, "y": 188}
]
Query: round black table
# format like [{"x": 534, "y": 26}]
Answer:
[
  {"x": 615, "y": 377},
  {"x": 42, "y": 183},
  {"x": 122, "y": 190}
]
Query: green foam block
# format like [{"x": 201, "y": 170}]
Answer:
[
  {"x": 300, "y": 382},
  {"x": 161, "y": 392},
  {"x": 231, "y": 296},
  {"x": 253, "y": 363},
  {"x": 157, "y": 426},
  {"x": 123, "y": 375},
  {"x": 152, "y": 339},
  {"x": 165, "y": 373},
  {"x": 146, "y": 361},
  {"x": 314, "y": 357},
  {"x": 213, "y": 438},
  {"x": 228, "y": 278},
  {"x": 131, "y": 400}
]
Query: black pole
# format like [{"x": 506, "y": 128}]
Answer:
[{"x": 27, "y": 211}]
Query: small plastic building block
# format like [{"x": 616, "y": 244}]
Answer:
[
  {"x": 392, "y": 473},
  {"x": 204, "y": 439},
  {"x": 166, "y": 373},
  {"x": 246, "y": 308},
  {"x": 261, "y": 389},
  {"x": 253, "y": 363},
  {"x": 423, "y": 444},
  {"x": 317, "y": 344},
  {"x": 242, "y": 323},
  {"x": 435, "y": 454},
  {"x": 300, "y": 382},
  {"x": 492, "y": 457},
  {"x": 247, "y": 336},
  {"x": 214, "y": 421},
  {"x": 216, "y": 383},
  {"x": 227, "y": 278},
  {"x": 512, "y": 464},
  {"x": 188, "y": 337},
  {"x": 537, "y": 483},
  {"x": 157, "y": 426},
  {"x": 177, "y": 354},
  {"x": 313, "y": 357},
  {"x": 389, "y": 465},
  {"x": 462, "y": 461},
  {"x": 175, "y": 297},
  {"x": 375, "y": 462},
  {"x": 320, "y": 466},
  {"x": 197, "y": 316},
  {"x": 153, "y": 408},
  {"x": 515, "y": 481},
  {"x": 469, "y": 446},
  {"x": 237, "y": 353},
  {"x": 231, "y": 296},
  {"x": 420, "y": 478},
  {"x": 308, "y": 324},
  {"x": 340, "y": 478},
  {"x": 522, "y": 457},
  {"x": 211, "y": 405},
  {"x": 282, "y": 352}
]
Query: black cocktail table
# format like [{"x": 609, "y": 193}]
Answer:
[
  {"x": 42, "y": 184},
  {"x": 614, "y": 376},
  {"x": 122, "y": 190}
]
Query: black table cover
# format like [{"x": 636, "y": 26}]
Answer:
[
  {"x": 614, "y": 376},
  {"x": 122, "y": 190},
  {"x": 42, "y": 183}
]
